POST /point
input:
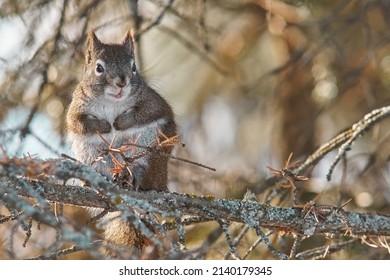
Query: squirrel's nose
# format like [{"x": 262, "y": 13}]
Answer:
[{"x": 120, "y": 82}]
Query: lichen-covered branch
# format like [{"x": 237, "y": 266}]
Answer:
[{"x": 104, "y": 194}]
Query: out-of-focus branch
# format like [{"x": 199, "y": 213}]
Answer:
[{"x": 343, "y": 141}]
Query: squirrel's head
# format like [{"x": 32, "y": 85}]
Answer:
[{"x": 110, "y": 68}]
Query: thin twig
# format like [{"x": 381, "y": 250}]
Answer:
[
  {"x": 344, "y": 140},
  {"x": 254, "y": 245},
  {"x": 267, "y": 243},
  {"x": 228, "y": 238},
  {"x": 356, "y": 131},
  {"x": 295, "y": 246},
  {"x": 237, "y": 240},
  {"x": 159, "y": 18},
  {"x": 320, "y": 252}
]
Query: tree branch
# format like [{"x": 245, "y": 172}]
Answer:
[{"x": 332, "y": 220}]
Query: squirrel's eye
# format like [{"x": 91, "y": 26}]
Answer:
[
  {"x": 99, "y": 69},
  {"x": 134, "y": 68}
]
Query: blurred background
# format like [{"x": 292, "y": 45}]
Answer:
[{"x": 250, "y": 81}]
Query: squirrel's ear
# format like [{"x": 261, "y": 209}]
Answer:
[
  {"x": 92, "y": 45},
  {"x": 128, "y": 41}
]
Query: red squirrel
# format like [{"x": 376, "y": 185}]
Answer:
[{"x": 113, "y": 100}]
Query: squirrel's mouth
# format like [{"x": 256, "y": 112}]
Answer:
[{"x": 118, "y": 95}]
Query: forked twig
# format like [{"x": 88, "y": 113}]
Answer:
[{"x": 287, "y": 173}]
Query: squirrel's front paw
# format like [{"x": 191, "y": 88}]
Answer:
[
  {"x": 93, "y": 124},
  {"x": 122, "y": 122},
  {"x": 104, "y": 127}
]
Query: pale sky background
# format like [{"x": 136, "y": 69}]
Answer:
[{"x": 12, "y": 33}]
